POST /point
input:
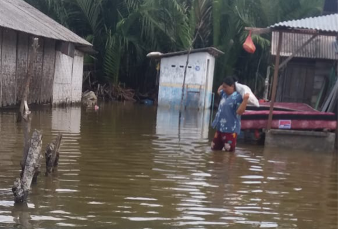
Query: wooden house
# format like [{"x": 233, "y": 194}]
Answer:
[
  {"x": 58, "y": 69},
  {"x": 309, "y": 75}
]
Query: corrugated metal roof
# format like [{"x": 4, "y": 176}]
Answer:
[
  {"x": 327, "y": 23},
  {"x": 322, "y": 47},
  {"x": 19, "y": 15}
]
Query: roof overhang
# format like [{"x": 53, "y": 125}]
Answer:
[{"x": 211, "y": 50}]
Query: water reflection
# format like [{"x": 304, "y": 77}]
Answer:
[
  {"x": 194, "y": 124},
  {"x": 128, "y": 166},
  {"x": 67, "y": 120}
]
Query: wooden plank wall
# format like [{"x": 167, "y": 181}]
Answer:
[
  {"x": 77, "y": 77},
  {"x": 57, "y": 77},
  {"x": 8, "y": 67},
  {"x": 35, "y": 86},
  {"x": 62, "y": 78},
  {"x": 15, "y": 53},
  {"x": 21, "y": 63},
  {"x": 48, "y": 71},
  {"x": 67, "y": 87},
  {"x": 0, "y": 67},
  {"x": 310, "y": 78}
]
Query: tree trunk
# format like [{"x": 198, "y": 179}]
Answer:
[{"x": 22, "y": 186}]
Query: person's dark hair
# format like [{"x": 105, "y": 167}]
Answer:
[{"x": 230, "y": 80}]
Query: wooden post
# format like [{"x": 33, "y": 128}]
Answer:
[
  {"x": 184, "y": 77},
  {"x": 24, "y": 112},
  {"x": 21, "y": 186},
  {"x": 275, "y": 80},
  {"x": 30, "y": 163},
  {"x": 52, "y": 154},
  {"x": 186, "y": 67}
]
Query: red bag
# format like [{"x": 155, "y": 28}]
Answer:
[{"x": 248, "y": 45}]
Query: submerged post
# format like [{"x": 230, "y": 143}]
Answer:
[
  {"x": 22, "y": 185},
  {"x": 52, "y": 154},
  {"x": 275, "y": 80}
]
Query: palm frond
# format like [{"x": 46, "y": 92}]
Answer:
[
  {"x": 91, "y": 9},
  {"x": 112, "y": 60}
]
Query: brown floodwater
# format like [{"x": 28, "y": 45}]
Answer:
[{"x": 134, "y": 166}]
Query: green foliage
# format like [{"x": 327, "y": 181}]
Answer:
[{"x": 124, "y": 31}]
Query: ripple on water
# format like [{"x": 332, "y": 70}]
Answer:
[{"x": 130, "y": 166}]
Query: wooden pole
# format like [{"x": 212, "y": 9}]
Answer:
[
  {"x": 30, "y": 163},
  {"x": 24, "y": 113},
  {"x": 183, "y": 85},
  {"x": 184, "y": 77},
  {"x": 275, "y": 80},
  {"x": 186, "y": 67},
  {"x": 24, "y": 110}
]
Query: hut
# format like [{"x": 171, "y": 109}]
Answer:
[
  {"x": 58, "y": 70},
  {"x": 305, "y": 71},
  {"x": 197, "y": 83},
  {"x": 311, "y": 73}
]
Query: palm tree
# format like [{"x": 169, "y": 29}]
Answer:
[{"x": 124, "y": 31}]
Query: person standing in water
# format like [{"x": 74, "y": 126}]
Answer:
[{"x": 228, "y": 117}]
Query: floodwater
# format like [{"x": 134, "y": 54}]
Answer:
[{"x": 133, "y": 166}]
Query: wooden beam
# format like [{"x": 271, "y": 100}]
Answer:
[
  {"x": 275, "y": 80},
  {"x": 305, "y": 31},
  {"x": 255, "y": 30},
  {"x": 258, "y": 30},
  {"x": 297, "y": 51}
]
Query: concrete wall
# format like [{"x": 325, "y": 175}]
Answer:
[
  {"x": 56, "y": 77},
  {"x": 199, "y": 80},
  {"x": 301, "y": 140}
]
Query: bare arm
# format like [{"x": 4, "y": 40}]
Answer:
[
  {"x": 242, "y": 107},
  {"x": 219, "y": 90}
]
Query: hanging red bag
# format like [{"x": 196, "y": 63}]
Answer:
[{"x": 248, "y": 45}]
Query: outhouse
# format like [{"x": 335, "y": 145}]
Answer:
[{"x": 199, "y": 78}]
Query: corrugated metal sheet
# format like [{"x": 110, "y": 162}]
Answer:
[
  {"x": 19, "y": 15},
  {"x": 327, "y": 23},
  {"x": 322, "y": 47}
]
